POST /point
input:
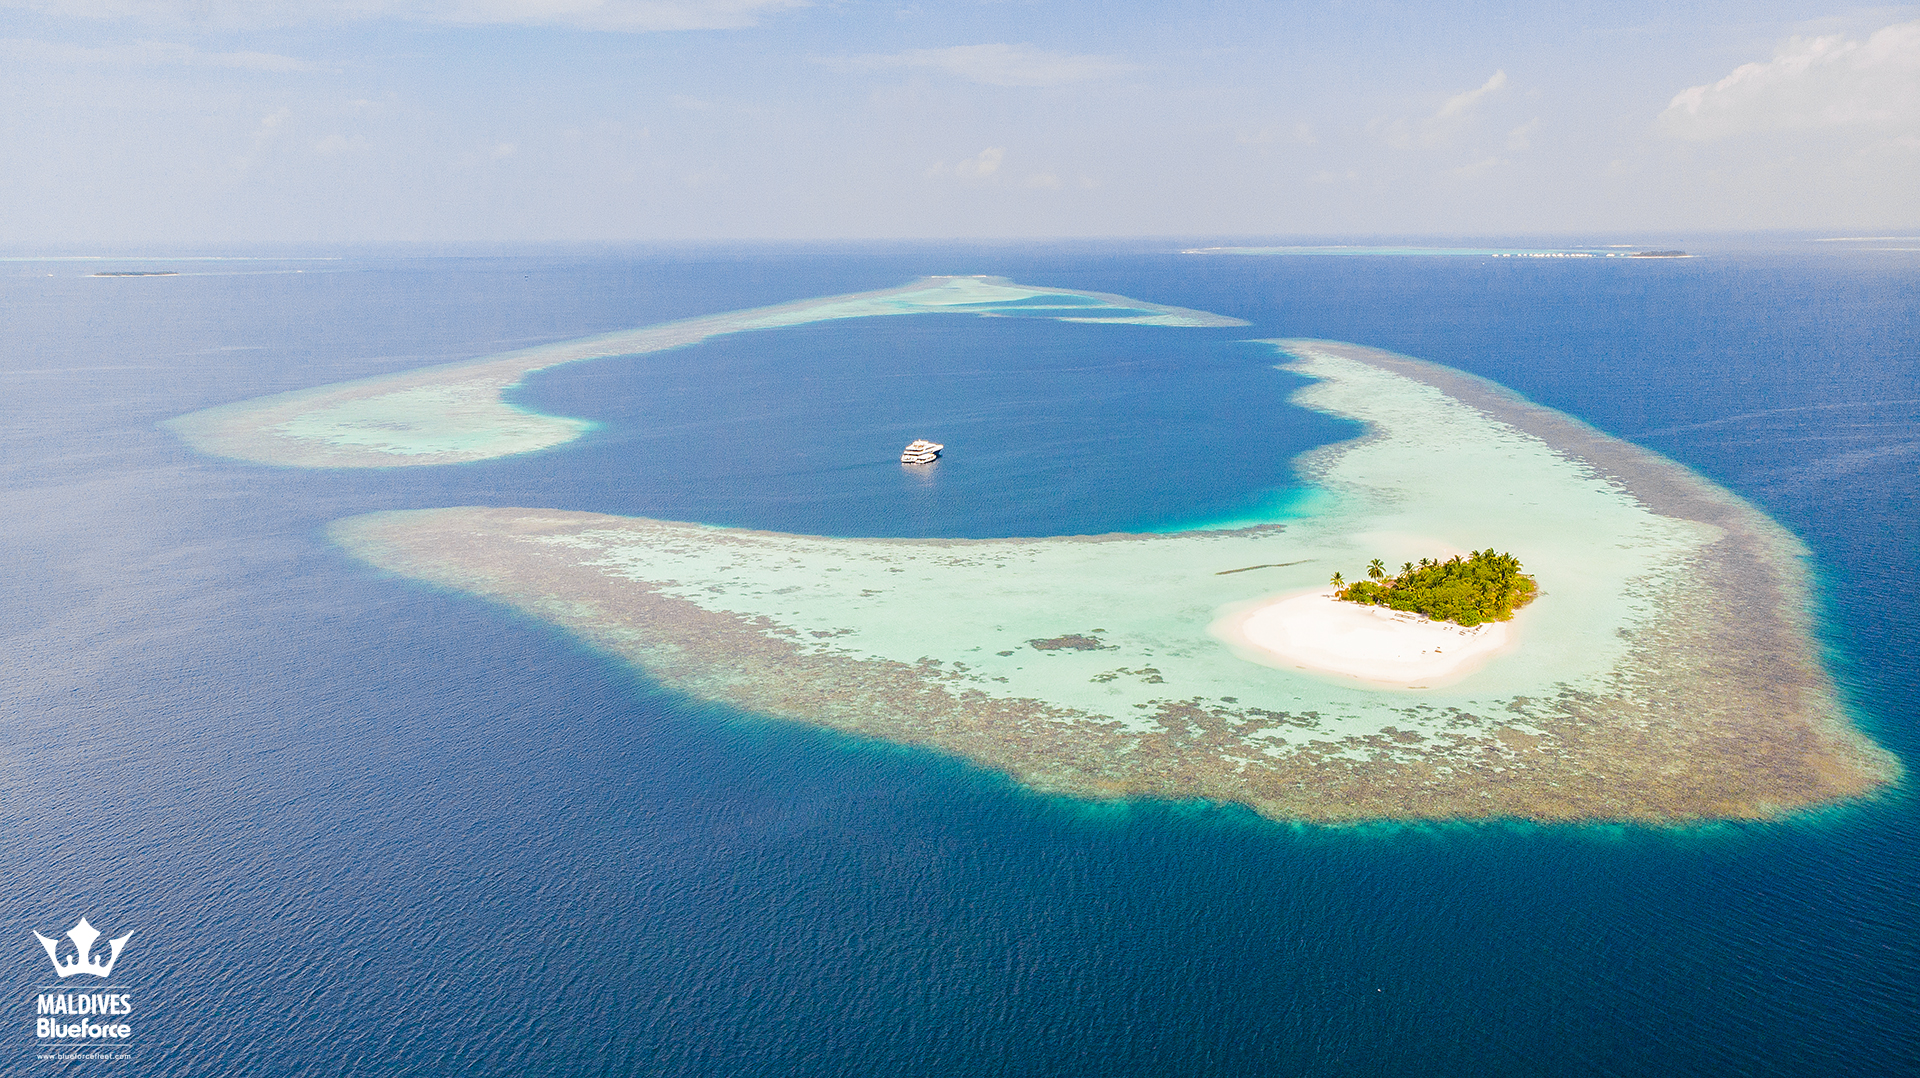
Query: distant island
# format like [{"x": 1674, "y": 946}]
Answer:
[
  {"x": 1591, "y": 254},
  {"x": 138, "y": 273},
  {"x": 1467, "y": 591}
]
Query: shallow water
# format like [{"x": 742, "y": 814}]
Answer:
[{"x": 363, "y": 827}]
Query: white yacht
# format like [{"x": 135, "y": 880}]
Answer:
[{"x": 920, "y": 451}]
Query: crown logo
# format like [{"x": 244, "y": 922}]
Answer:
[{"x": 82, "y": 935}]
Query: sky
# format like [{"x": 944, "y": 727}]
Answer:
[{"x": 220, "y": 121}]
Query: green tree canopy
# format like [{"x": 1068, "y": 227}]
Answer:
[{"x": 1484, "y": 587}]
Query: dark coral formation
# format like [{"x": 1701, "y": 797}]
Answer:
[{"x": 1070, "y": 642}]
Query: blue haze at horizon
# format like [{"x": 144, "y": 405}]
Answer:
[{"x": 387, "y": 804}]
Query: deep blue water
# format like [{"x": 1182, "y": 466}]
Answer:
[{"x": 362, "y": 827}]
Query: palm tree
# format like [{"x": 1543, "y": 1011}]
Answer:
[
  {"x": 1375, "y": 569},
  {"x": 1406, "y": 567},
  {"x": 1337, "y": 582}
]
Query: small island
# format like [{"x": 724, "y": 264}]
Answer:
[{"x": 1467, "y": 591}]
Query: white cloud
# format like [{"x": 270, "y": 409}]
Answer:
[
  {"x": 1456, "y": 113},
  {"x": 1478, "y": 169},
  {"x": 1045, "y": 181},
  {"x": 1811, "y": 83},
  {"x": 483, "y": 156},
  {"x": 263, "y": 135},
  {"x": 1463, "y": 103},
  {"x": 632, "y": 16},
  {"x": 982, "y": 165},
  {"x": 1522, "y": 137},
  {"x": 146, "y": 54},
  {"x": 1301, "y": 133},
  {"x": 339, "y": 145},
  {"x": 1397, "y": 134},
  {"x": 997, "y": 64}
]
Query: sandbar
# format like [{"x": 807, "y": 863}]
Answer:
[{"x": 1316, "y": 632}]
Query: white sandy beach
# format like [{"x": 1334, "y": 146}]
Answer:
[{"x": 1314, "y": 631}]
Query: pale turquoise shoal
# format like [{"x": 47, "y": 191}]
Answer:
[
  {"x": 1433, "y": 476},
  {"x": 458, "y": 412}
]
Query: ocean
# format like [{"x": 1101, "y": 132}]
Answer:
[{"x": 359, "y": 826}]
